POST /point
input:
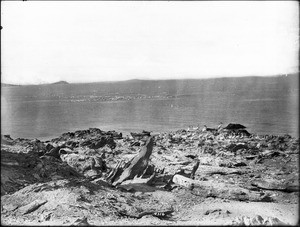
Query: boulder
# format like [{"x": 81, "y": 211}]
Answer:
[
  {"x": 233, "y": 126},
  {"x": 82, "y": 163},
  {"x": 257, "y": 220}
]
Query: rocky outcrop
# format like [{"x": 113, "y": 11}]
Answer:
[
  {"x": 257, "y": 221},
  {"x": 94, "y": 171}
]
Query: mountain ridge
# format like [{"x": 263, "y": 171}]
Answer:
[{"x": 294, "y": 76}]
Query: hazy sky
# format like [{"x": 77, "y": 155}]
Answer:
[{"x": 78, "y": 41}]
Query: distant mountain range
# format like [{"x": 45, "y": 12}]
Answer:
[
  {"x": 9, "y": 85},
  {"x": 291, "y": 77},
  {"x": 13, "y": 85}
]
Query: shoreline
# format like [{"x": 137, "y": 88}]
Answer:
[{"x": 135, "y": 130}]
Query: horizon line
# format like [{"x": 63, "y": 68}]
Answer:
[{"x": 149, "y": 79}]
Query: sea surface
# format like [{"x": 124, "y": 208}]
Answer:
[{"x": 264, "y": 105}]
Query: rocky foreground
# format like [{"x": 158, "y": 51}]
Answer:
[{"x": 224, "y": 176}]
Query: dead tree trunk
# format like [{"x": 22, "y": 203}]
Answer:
[
  {"x": 115, "y": 172},
  {"x": 138, "y": 165}
]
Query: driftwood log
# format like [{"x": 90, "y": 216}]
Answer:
[
  {"x": 276, "y": 185},
  {"x": 220, "y": 190},
  {"x": 134, "y": 169}
]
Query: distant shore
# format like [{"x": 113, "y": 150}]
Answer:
[{"x": 266, "y": 105}]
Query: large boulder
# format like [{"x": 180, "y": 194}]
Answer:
[
  {"x": 84, "y": 163},
  {"x": 233, "y": 126}
]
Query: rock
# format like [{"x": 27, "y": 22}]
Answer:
[
  {"x": 100, "y": 163},
  {"x": 7, "y": 137},
  {"x": 49, "y": 147},
  {"x": 135, "y": 143},
  {"x": 45, "y": 216},
  {"x": 92, "y": 173},
  {"x": 206, "y": 129},
  {"x": 243, "y": 132},
  {"x": 81, "y": 222},
  {"x": 85, "y": 143},
  {"x": 7, "y": 140},
  {"x": 83, "y": 163},
  {"x": 235, "y": 147},
  {"x": 232, "y": 126},
  {"x": 10, "y": 207},
  {"x": 71, "y": 144},
  {"x": 217, "y": 211},
  {"x": 54, "y": 152},
  {"x": 140, "y": 135},
  {"x": 65, "y": 151},
  {"x": 114, "y": 134},
  {"x": 100, "y": 181},
  {"x": 99, "y": 142},
  {"x": 257, "y": 220},
  {"x": 191, "y": 156},
  {"x": 239, "y": 164},
  {"x": 250, "y": 157},
  {"x": 226, "y": 163}
]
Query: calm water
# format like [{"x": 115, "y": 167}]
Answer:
[{"x": 264, "y": 105}]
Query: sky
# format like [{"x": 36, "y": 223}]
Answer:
[{"x": 81, "y": 41}]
